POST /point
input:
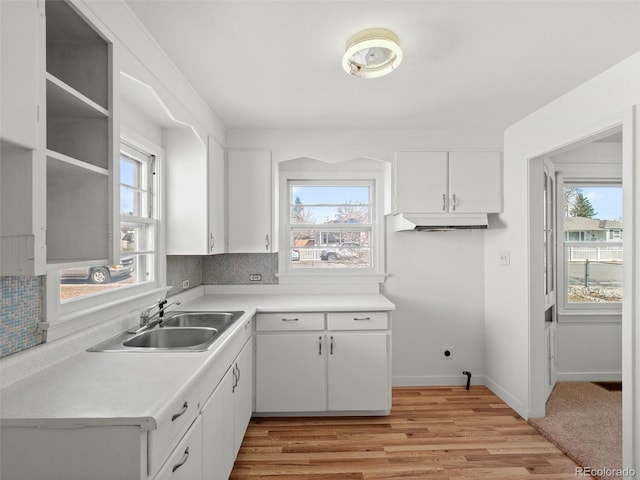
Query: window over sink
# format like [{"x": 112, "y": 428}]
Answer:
[
  {"x": 137, "y": 234},
  {"x": 76, "y": 289}
]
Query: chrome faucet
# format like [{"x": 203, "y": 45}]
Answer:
[{"x": 146, "y": 316}]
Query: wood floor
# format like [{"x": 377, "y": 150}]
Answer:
[{"x": 433, "y": 433}]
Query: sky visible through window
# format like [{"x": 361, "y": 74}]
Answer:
[
  {"x": 606, "y": 201},
  {"x": 322, "y": 203}
]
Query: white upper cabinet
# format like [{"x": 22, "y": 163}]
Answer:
[
  {"x": 59, "y": 138},
  {"x": 195, "y": 194},
  {"x": 448, "y": 182},
  {"x": 249, "y": 211},
  {"x": 22, "y": 56},
  {"x": 82, "y": 143},
  {"x": 420, "y": 182}
]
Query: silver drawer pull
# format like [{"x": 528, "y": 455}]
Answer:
[
  {"x": 181, "y": 412},
  {"x": 363, "y": 319},
  {"x": 290, "y": 319},
  {"x": 184, "y": 459}
]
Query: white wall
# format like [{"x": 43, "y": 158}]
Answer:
[
  {"x": 138, "y": 55},
  {"x": 513, "y": 340},
  {"x": 589, "y": 351},
  {"x": 435, "y": 279}
]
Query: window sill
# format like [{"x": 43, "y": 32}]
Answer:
[
  {"x": 72, "y": 322},
  {"x": 317, "y": 278},
  {"x": 590, "y": 317}
]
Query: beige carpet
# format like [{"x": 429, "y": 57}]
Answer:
[{"x": 585, "y": 421}]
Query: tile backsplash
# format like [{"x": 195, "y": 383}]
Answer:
[
  {"x": 181, "y": 268},
  {"x": 238, "y": 268},
  {"x": 21, "y": 308},
  {"x": 22, "y": 301}
]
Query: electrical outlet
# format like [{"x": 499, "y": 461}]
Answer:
[
  {"x": 255, "y": 277},
  {"x": 185, "y": 284},
  {"x": 446, "y": 353},
  {"x": 505, "y": 259}
]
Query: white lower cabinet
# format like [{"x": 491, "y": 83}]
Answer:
[
  {"x": 225, "y": 417},
  {"x": 357, "y": 371},
  {"x": 196, "y": 438},
  {"x": 242, "y": 395},
  {"x": 340, "y": 366},
  {"x": 290, "y": 372},
  {"x": 185, "y": 463}
]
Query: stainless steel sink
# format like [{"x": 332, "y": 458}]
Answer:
[
  {"x": 180, "y": 331},
  {"x": 174, "y": 338},
  {"x": 218, "y": 320}
]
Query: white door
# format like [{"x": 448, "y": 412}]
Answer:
[
  {"x": 475, "y": 182},
  {"x": 242, "y": 394},
  {"x": 290, "y": 374},
  {"x": 217, "y": 431},
  {"x": 358, "y": 376},
  {"x": 249, "y": 202},
  {"x": 420, "y": 182}
]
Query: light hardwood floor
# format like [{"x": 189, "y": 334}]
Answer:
[{"x": 433, "y": 433}]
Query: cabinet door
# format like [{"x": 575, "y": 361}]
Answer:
[
  {"x": 185, "y": 463},
  {"x": 216, "y": 197},
  {"x": 187, "y": 196},
  {"x": 249, "y": 202},
  {"x": 22, "y": 66},
  {"x": 290, "y": 374},
  {"x": 217, "y": 430},
  {"x": 243, "y": 394},
  {"x": 475, "y": 182},
  {"x": 420, "y": 182},
  {"x": 358, "y": 376}
]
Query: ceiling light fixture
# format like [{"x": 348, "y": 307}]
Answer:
[{"x": 372, "y": 53}]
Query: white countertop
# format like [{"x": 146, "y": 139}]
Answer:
[{"x": 94, "y": 388}]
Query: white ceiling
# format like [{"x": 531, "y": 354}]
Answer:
[{"x": 467, "y": 64}]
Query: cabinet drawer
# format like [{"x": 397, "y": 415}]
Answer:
[
  {"x": 171, "y": 429},
  {"x": 186, "y": 460},
  {"x": 292, "y": 321},
  {"x": 357, "y": 321}
]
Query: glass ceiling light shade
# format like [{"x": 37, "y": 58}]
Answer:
[{"x": 372, "y": 53}]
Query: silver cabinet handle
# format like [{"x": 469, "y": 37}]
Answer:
[
  {"x": 184, "y": 459},
  {"x": 320, "y": 345},
  {"x": 331, "y": 350},
  {"x": 363, "y": 319},
  {"x": 266, "y": 242},
  {"x": 290, "y": 319},
  {"x": 238, "y": 377},
  {"x": 444, "y": 202},
  {"x": 184, "y": 408},
  {"x": 212, "y": 242},
  {"x": 454, "y": 204}
]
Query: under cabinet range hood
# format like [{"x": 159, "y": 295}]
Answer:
[{"x": 438, "y": 222}]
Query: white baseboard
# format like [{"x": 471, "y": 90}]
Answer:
[
  {"x": 507, "y": 398},
  {"x": 590, "y": 377}
]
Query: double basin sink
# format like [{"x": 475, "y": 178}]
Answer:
[{"x": 178, "y": 331}]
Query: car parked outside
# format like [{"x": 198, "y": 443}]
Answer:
[
  {"x": 343, "y": 251},
  {"x": 100, "y": 273}
]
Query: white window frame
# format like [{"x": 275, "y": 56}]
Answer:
[
  {"x": 71, "y": 317},
  {"x": 580, "y": 312},
  {"x": 319, "y": 275}
]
